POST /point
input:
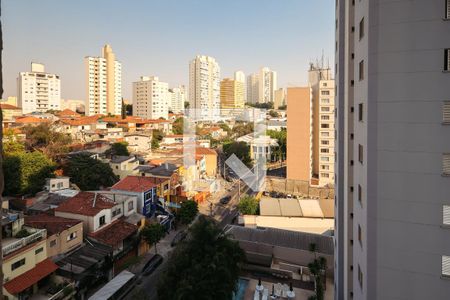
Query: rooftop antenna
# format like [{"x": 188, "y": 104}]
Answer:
[
  {"x": 322, "y": 60},
  {"x": 95, "y": 198}
]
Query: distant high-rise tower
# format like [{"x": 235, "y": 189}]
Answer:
[
  {"x": 150, "y": 98},
  {"x": 231, "y": 93},
  {"x": 240, "y": 76},
  {"x": 204, "y": 86},
  {"x": 267, "y": 84},
  {"x": 104, "y": 83},
  {"x": 177, "y": 98},
  {"x": 38, "y": 91},
  {"x": 252, "y": 88},
  {"x": 392, "y": 235}
]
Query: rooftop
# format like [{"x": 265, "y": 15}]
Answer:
[
  {"x": 53, "y": 224},
  {"x": 137, "y": 184},
  {"x": 117, "y": 159},
  {"x": 114, "y": 233},
  {"x": 83, "y": 204}
]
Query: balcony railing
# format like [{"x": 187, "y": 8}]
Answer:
[{"x": 35, "y": 236}]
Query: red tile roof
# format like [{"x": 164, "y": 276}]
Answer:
[
  {"x": 30, "y": 119},
  {"x": 68, "y": 113},
  {"x": 53, "y": 224},
  {"x": 114, "y": 233},
  {"x": 9, "y": 106},
  {"x": 27, "y": 279},
  {"x": 82, "y": 204},
  {"x": 136, "y": 184},
  {"x": 81, "y": 121}
]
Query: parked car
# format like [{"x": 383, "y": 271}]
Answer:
[
  {"x": 180, "y": 236},
  {"x": 152, "y": 264},
  {"x": 225, "y": 200}
]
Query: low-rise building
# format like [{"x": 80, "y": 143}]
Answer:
[
  {"x": 10, "y": 112},
  {"x": 123, "y": 166},
  {"x": 143, "y": 188},
  {"x": 63, "y": 235},
  {"x": 138, "y": 142}
]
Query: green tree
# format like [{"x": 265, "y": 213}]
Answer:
[
  {"x": 225, "y": 127},
  {"x": 281, "y": 137},
  {"x": 153, "y": 233},
  {"x": 273, "y": 114},
  {"x": 241, "y": 129},
  {"x": 187, "y": 212},
  {"x": 248, "y": 205},
  {"x": 25, "y": 172},
  {"x": 204, "y": 267},
  {"x": 119, "y": 148},
  {"x": 89, "y": 173},
  {"x": 318, "y": 269},
  {"x": 186, "y": 104},
  {"x": 177, "y": 126},
  {"x": 11, "y": 143},
  {"x": 47, "y": 139},
  {"x": 240, "y": 149},
  {"x": 157, "y": 137}
]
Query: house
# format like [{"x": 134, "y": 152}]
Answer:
[
  {"x": 123, "y": 166},
  {"x": 260, "y": 146},
  {"x": 138, "y": 142},
  {"x": 177, "y": 139},
  {"x": 28, "y": 120},
  {"x": 143, "y": 188},
  {"x": 106, "y": 134},
  {"x": 108, "y": 218},
  {"x": 215, "y": 132},
  {"x": 210, "y": 160},
  {"x": 68, "y": 114},
  {"x": 10, "y": 112},
  {"x": 26, "y": 267},
  {"x": 63, "y": 234},
  {"x": 77, "y": 127}
]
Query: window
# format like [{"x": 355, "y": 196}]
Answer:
[
  {"x": 360, "y": 112},
  {"x": 102, "y": 220},
  {"x": 447, "y": 60},
  {"x": 324, "y": 150},
  {"x": 447, "y": 9},
  {"x": 130, "y": 206},
  {"x": 325, "y": 101},
  {"x": 445, "y": 266},
  {"x": 360, "y": 235},
  {"x": 324, "y": 158},
  {"x": 361, "y": 70},
  {"x": 72, "y": 236},
  {"x": 324, "y": 125},
  {"x": 325, "y": 93},
  {"x": 18, "y": 264},
  {"x": 359, "y": 193},
  {"x": 360, "y": 277},
  {"x": 446, "y": 215},
  {"x": 116, "y": 212},
  {"x": 361, "y": 153},
  {"x": 446, "y": 164},
  {"x": 325, "y": 175},
  {"x": 446, "y": 111},
  {"x": 361, "y": 29},
  {"x": 53, "y": 243},
  {"x": 325, "y": 142},
  {"x": 39, "y": 250},
  {"x": 325, "y": 108}
]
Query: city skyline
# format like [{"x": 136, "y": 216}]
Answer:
[{"x": 166, "y": 55}]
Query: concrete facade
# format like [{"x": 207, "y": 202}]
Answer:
[
  {"x": 151, "y": 98},
  {"x": 38, "y": 91},
  {"x": 390, "y": 189}
]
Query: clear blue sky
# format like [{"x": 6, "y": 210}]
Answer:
[{"x": 160, "y": 37}]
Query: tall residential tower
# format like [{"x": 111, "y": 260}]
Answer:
[
  {"x": 151, "y": 98},
  {"x": 104, "y": 83},
  {"x": 393, "y": 162},
  {"x": 204, "y": 86},
  {"x": 38, "y": 91}
]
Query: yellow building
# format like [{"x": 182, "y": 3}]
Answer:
[{"x": 232, "y": 94}]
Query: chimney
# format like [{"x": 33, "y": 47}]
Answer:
[{"x": 95, "y": 198}]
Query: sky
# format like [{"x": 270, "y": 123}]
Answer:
[{"x": 160, "y": 37}]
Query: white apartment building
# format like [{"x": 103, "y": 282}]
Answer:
[
  {"x": 322, "y": 89},
  {"x": 392, "y": 238},
  {"x": 177, "y": 97},
  {"x": 261, "y": 86},
  {"x": 204, "y": 87},
  {"x": 151, "y": 98},
  {"x": 38, "y": 91},
  {"x": 104, "y": 83}
]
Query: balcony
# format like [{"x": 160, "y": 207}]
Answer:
[{"x": 13, "y": 244}]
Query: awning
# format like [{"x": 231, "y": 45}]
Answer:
[{"x": 27, "y": 279}]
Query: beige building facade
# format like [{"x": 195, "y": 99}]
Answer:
[
  {"x": 232, "y": 93},
  {"x": 103, "y": 83}
]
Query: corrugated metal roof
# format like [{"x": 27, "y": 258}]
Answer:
[{"x": 113, "y": 286}]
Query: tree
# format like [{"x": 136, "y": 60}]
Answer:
[
  {"x": 281, "y": 137},
  {"x": 187, "y": 212},
  {"x": 318, "y": 269},
  {"x": 177, "y": 126},
  {"x": 273, "y": 114},
  {"x": 248, "y": 205},
  {"x": 153, "y": 233},
  {"x": 89, "y": 173},
  {"x": 186, "y": 104},
  {"x": 119, "y": 148},
  {"x": 25, "y": 172},
  {"x": 45, "y": 138},
  {"x": 157, "y": 137},
  {"x": 241, "y": 129},
  {"x": 11, "y": 144},
  {"x": 240, "y": 149},
  {"x": 206, "y": 266}
]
